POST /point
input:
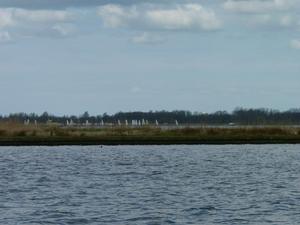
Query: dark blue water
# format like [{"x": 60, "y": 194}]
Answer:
[{"x": 150, "y": 185}]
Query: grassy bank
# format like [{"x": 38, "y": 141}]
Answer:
[{"x": 18, "y": 134}]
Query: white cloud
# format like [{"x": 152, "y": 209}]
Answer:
[
  {"x": 135, "y": 90},
  {"x": 258, "y": 6},
  {"x": 4, "y": 37},
  {"x": 271, "y": 20},
  {"x": 6, "y": 18},
  {"x": 261, "y": 19},
  {"x": 12, "y": 16},
  {"x": 41, "y": 16},
  {"x": 274, "y": 14},
  {"x": 63, "y": 4},
  {"x": 286, "y": 20},
  {"x": 179, "y": 17},
  {"x": 189, "y": 16},
  {"x": 64, "y": 29},
  {"x": 116, "y": 16},
  {"x": 21, "y": 22},
  {"x": 147, "y": 38},
  {"x": 295, "y": 44}
]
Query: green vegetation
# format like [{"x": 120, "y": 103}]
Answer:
[{"x": 19, "y": 134}]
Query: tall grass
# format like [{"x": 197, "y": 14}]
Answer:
[{"x": 17, "y": 130}]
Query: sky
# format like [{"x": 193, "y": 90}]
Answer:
[{"x": 72, "y": 56}]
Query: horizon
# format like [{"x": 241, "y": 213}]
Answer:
[{"x": 262, "y": 109}]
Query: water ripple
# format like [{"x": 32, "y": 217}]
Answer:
[{"x": 244, "y": 184}]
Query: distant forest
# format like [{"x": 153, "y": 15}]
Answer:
[{"x": 239, "y": 116}]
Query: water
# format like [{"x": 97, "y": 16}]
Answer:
[{"x": 150, "y": 185}]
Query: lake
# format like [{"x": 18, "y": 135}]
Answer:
[{"x": 241, "y": 184}]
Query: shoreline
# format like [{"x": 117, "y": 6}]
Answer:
[{"x": 116, "y": 142}]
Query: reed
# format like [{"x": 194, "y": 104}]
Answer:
[{"x": 14, "y": 133}]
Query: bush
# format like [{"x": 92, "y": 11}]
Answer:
[
  {"x": 34, "y": 133},
  {"x": 3, "y": 133},
  {"x": 21, "y": 133}
]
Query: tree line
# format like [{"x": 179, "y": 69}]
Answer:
[{"x": 240, "y": 116}]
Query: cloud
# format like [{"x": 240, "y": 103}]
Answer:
[
  {"x": 261, "y": 19},
  {"x": 295, "y": 44},
  {"x": 41, "y": 16},
  {"x": 60, "y": 4},
  {"x": 178, "y": 17},
  {"x": 64, "y": 29},
  {"x": 23, "y": 22},
  {"x": 6, "y": 18},
  {"x": 13, "y": 17},
  {"x": 189, "y": 16},
  {"x": 135, "y": 90},
  {"x": 148, "y": 38},
  {"x": 258, "y": 6},
  {"x": 271, "y": 14},
  {"x": 273, "y": 21},
  {"x": 286, "y": 20},
  {"x": 4, "y": 37},
  {"x": 114, "y": 16}
]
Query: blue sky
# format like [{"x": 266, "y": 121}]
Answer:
[{"x": 69, "y": 56}]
